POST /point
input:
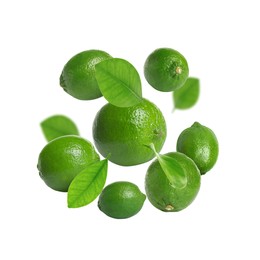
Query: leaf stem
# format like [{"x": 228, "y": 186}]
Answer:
[
  {"x": 108, "y": 156},
  {"x": 152, "y": 147}
]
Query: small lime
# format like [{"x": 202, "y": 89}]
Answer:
[
  {"x": 125, "y": 133},
  {"x": 164, "y": 196},
  {"x": 78, "y": 75},
  {"x": 166, "y": 69},
  {"x": 63, "y": 158},
  {"x": 200, "y": 144},
  {"x": 121, "y": 200}
]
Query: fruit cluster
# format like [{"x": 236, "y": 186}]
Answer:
[{"x": 129, "y": 130}]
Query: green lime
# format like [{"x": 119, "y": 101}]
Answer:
[
  {"x": 78, "y": 75},
  {"x": 164, "y": 196},
  {"x": 124, "y": 133},
  {"x": 200, "y": 144},
  {"x": 63, "y": 158},
  {"x": 166, "y": 69},
  {"x": 121, "y": 200}
]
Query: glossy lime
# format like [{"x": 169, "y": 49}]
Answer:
[
  {"x": 162, "y": 194},
  {"x": 166, "y": 69},
  {"x": 78, "y": 75},
  {"x": 200, "y": 144},
  {"x": 63, "y": 158},
  {"x": 125, "y": 133},
  {"x": 121, "y": 200}
]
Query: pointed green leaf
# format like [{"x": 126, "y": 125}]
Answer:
[
  {"x": 187, "y": 96},
  {"x": 58, "y": 125},
  {"x": 87, "y": 185},
  {"x": 172, "y": 169},
  {"x": 119, "y": 82}
]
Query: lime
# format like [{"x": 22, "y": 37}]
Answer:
[
  {"x": 121, "y": 200},
  {"x": 125, "y": 133},
  {"x": 200, "y": 144},
  {"x": 164, "y": 196},
  {"x": 63, "y": 158},
  {"x": 166, "y": 69},
  {"x": 78, "y": 75}
]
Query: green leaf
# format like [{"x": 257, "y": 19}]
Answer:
[
  {"x": 58, "y": 125},
  {"x": 119, "y": 82},
  {"x": 172, "y": 169},
  {"x": 187, "y": 96},
  {"x": 88, "y": 184}
]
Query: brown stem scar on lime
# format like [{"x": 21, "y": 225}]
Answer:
[
  {"x": 169, "y": 207},
  {"x": 178, "y": 70}
]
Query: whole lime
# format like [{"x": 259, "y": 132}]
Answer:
[
  {"x": 200, "y": 144},
  {"x": 121, "y": 200},
  {"x": 166, "y": 69},
  {"x": 164, "y": 196},
  {"x": 125, "y": 133},
  {"x": 63, "y": 158},
  {"x": 78, "y": 75}
]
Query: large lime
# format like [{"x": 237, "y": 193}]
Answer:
[{"x": 125, "y": 133}]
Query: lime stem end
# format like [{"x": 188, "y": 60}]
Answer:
[{"x": 178, "y": 70}]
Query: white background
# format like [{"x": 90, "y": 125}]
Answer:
[{"x": 220, "y": 40}]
